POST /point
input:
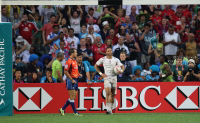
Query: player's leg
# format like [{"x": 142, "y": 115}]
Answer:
[
  {"x": 113, "y": 88},
  {"x": 108, "y": 99}
]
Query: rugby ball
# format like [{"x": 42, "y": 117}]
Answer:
[{"x": 117, "y": 69}]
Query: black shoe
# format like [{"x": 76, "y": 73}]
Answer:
[{"x": 108, "y": 112}]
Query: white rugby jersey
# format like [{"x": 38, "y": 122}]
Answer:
[{"x": 109, "y": 65}]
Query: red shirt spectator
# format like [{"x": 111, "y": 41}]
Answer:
[
  {"x": 156, "y": 19},
  {"x": 26, "y": 31},
  {"x": 48, "y": 28},
  {"x": 175, "y": 20},
  {"x": 188, "y": 15},
  {"x": 113, "y": 37},
  {"x": 184, "y": 37},
  {"x": 99, "y": 50},
  {"x": 197, "y": 36},
  {"x": 167, "y": 12}
]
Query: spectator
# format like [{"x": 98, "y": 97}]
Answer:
[
  {"x": 154, "y": 76},
  {"x": 142, "y": 18},
  {"x": 32, "y": 67},
  {"x": 64, "y": 51},
  {"x": 180, "y": 29},
  {"x": 197, "y": 19},
  {"x": 75, "y": 20},
  {"x": 15, "y": 20},
  {"x": 108, "y": 42},
  {"x": 197, "y": 37},
  {"x": 145, "y": 42},
  {"x": 129, "y": 9},
  {"x": 18, "y": 77},
  {"x": 191, "y": 48},
  {"x": 127, "y": 68},
  {"x": 18, "y": 65},
  {"x": 4, "y": 17},
  {"x": 35, "y": 78},
  {"x": 91, "y": 23},
  {"x": 22, "y": 44},
  {"x": 48, "y": 78},
  {"x": 83, "y": 31},
  {"x": 171, "y": 41},
  {"x": 38, "y": 36},
  {"x": 45, "y": 59},
  {"x": 86, "y": 53},
  {"x": 119, "y": 19},
  {"x": 83, "y": 70},
  {"x": 26, "y": 54},
  {"x": 62, "y": 21},
  {"x": 186, "y": 13},
  {"x": 134, "y": 50},
  {"x": 88, "y": 43},
  {"x": 133, "y": 14},
  {"x": 120, "y": 47},
  {"x": 99, "y": 50},
  {"x": 121, "y": 32},
  {"x": 137, "y": 74},
  {"x": 150, "y": 10},
  {"x": 167, "y": 12},
  {"x": 106, "y": 17},
  {"x": 65, "y": 31},
  {"x": 48, "y": 28},
  {"x": 72, "y": 39},
  {"x": 91, "y": 14},
  {"x": 105, "y": 31},
  {"x": 165, "y": 70},
  {"x": 53, "y": 38},
  {"x": 181, "y": 53},
  {"x": 92, "y": 34},
  {"x": 46, "y": 14},
  {"x": 184, "y": 36},
  {"x": 156, "y": 19},
  {"x": 25, "y": 29},
  {"x": 146, "y": 69},
  {"x": 175, "y": 20},
  {"x": 113, "y": 37},
  {"x": 179, "y": 70},
  {"x": 127, "y": 24},
  {"x": 192, "y": 74},
  {"x": 11, "y": 9},
  {"x": 57, "y": 67},
  {"x": 163, "y": 28},
  {"x": 40, "y": 67},
  {"x": 134, "y": 32}
]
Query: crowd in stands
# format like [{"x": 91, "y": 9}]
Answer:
[{"x": 154, "y": 42}]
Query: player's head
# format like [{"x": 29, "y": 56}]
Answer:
[
  {"x": 62, "y": 45},
  {"x": 79, "y": 58},
  {"x": 55, "y": 28},
  {"x": 108, "y": 51},
  {"x": 60, "y": 56},
  {"x": 48, "y": 72},
  {"x": 123, "y": 56},
  {"x": 73, "y": 53}
]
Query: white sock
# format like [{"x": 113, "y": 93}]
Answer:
[
  {"x": 111, "y": 106},
  {"x": 108, "y": 107}
]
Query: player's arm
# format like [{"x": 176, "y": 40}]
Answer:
[
  {"x": 67, "y": 66},
  {"x": 98, "y": 63}
]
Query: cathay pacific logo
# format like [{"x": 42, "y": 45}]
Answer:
[
  {"x": 182, "y": 97},
  {"x": 30, "y": 98}
]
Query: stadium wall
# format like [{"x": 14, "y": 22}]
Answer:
[{"x": 131, "y": 97}]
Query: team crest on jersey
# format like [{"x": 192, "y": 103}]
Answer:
[{"x": 29, "y": 25}]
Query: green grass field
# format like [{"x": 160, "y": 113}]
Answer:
[{"x": 103, "y": 118}]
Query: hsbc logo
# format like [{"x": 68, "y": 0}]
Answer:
[
  {"x": 30, "y": 98},
  {"x": 181, "y": 97}
]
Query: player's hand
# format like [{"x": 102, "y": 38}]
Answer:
[
  {"x": 104, "y": 75},
  {"x": 73, "y": 81}
]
